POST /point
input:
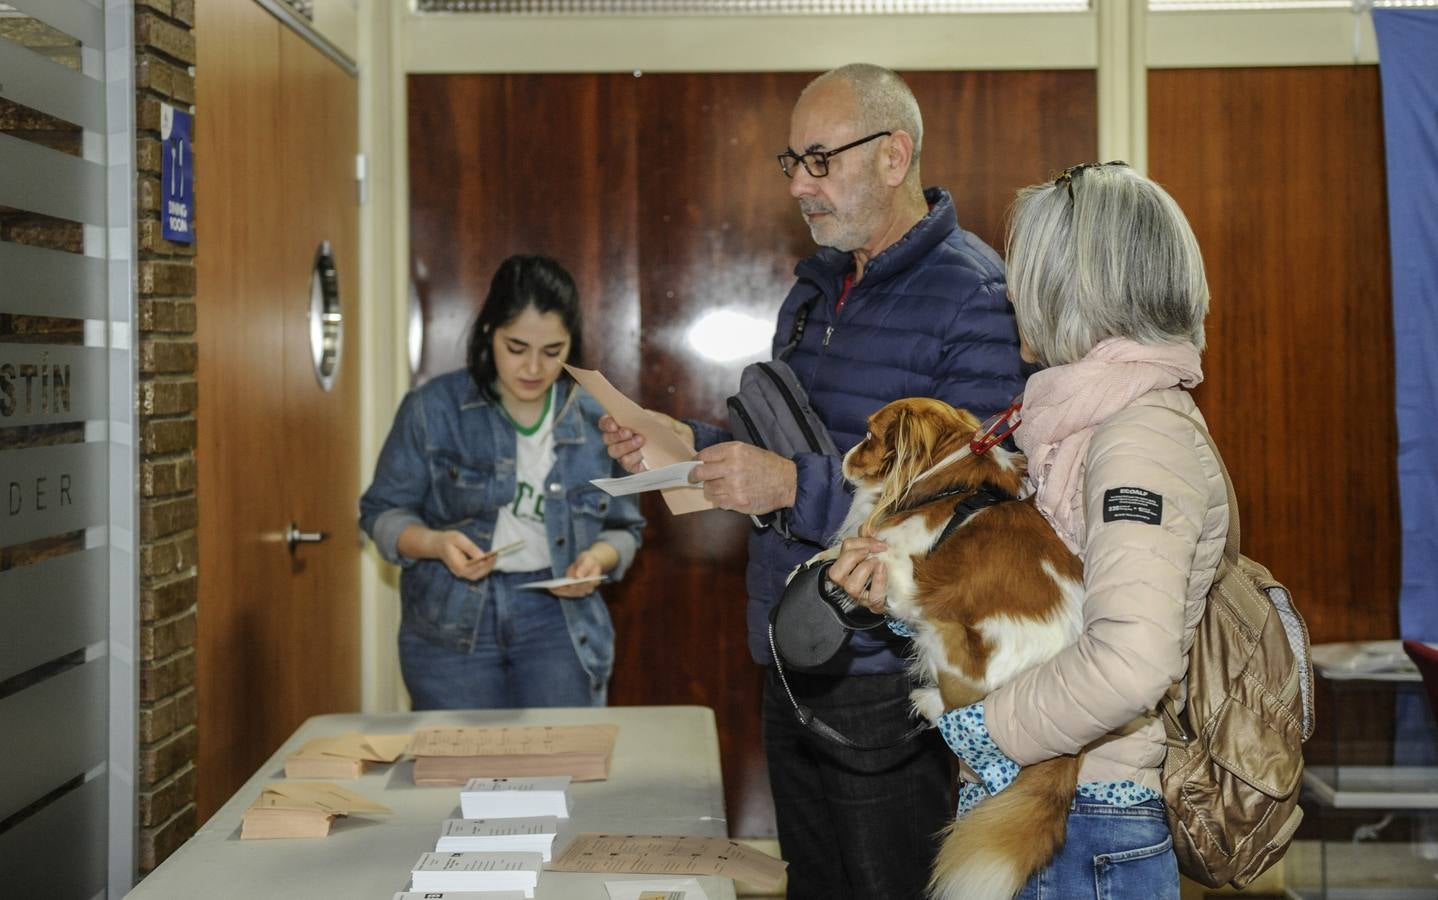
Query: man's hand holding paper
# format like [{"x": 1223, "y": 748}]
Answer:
[{"x": 653, "y": 440}]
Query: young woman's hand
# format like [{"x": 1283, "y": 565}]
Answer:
[
  {"x": 595, "y": 561},
  {"x": 458, "y": 553}
]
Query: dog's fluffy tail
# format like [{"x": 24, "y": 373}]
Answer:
[{"x": 992, "y": 851}]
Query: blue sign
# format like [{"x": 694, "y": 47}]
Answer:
[{"x": 177, "y": 175}]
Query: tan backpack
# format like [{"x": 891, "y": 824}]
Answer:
[{"x": 1232, "y": 776}]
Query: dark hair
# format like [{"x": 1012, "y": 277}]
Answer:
[{"x": 520, "y": 283}]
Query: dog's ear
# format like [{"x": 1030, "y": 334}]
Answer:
[{"x": 914, "y": 433}]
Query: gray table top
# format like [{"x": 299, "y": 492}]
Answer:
[{"x": 664, "y": 779}]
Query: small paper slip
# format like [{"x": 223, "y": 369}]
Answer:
[
  {"x": 458, "y": 895},
  {"x": 477, "y": 872},
  {"x": 675, "y": 476},
  {"x": 660, "y": 888},
  {"x": 533, "y": 834},
  {"x": 670, "y": 855},
  {"x": 662, "y": 447},
  {"x": 344, "y": 756},
  {"x": 512, "y": 798},
  {"x": 301, "y": 810},
  {"x": 561, "y": 582}
]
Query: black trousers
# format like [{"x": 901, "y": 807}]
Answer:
[{"x": 855, "y": 824}]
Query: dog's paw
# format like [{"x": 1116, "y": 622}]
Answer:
[{"x": 928, "y": 702}]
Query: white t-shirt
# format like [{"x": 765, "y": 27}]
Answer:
[{"x": 524, "y": 518}]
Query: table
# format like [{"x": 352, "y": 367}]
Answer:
[
  {"x": 664, "y": 779},
  {"x": 1372, "y": 790}
]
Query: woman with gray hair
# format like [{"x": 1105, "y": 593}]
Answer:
[{"x": 1108, "y": 288}]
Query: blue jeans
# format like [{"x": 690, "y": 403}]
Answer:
[
  {"x": 523, "y": 656},
  {"x": 855, "y": 824},
  {"x": 1110, "y": 853}
]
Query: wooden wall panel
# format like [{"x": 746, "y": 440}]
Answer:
[
  {"x": 508, "y": 164},
  {"x": 1281, "y": 172},
  {"x": 671, "y": 179}
]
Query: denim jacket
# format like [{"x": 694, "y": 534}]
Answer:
[{"x": 449, "y": 463}]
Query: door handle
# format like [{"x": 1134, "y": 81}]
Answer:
[{"x": 294, "y": 537}]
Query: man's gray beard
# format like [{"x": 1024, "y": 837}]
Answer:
[{"x": 840, "y": 240}]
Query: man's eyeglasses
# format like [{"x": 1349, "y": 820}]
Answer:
[
  {"x": 816, "y": 162},
  {"x": 1067, "y": 176}
]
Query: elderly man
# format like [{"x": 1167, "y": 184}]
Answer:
[{"x": 900, "y": 302}]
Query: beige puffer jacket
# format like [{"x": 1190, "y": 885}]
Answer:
[{"x": 1145, "y": 586}]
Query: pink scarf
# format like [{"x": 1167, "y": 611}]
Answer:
[{"x": 1063, "y": 404}]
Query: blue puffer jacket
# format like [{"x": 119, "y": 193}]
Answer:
[{"x": 930, "y": 318}]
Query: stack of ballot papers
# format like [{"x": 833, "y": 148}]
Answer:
[
  {"x": 301, "y": 810},
  {"x": 477, "y": 872},
  {"x": 455, "y": 755},
  {"x": 515, "y": 798},
  {"x": 345, "y": 756},
  {"x": 458, "y": 895},
  {"x": 530, "y": 834}
]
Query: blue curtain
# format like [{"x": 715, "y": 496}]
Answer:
[{"x": 1408, "y": 66}]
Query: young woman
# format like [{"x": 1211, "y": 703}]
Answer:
[
  {"x": 1110, "y": 295},
  {"x": 482, "y": 487}
]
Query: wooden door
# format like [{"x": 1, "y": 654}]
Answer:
[{"x": 278, "y": 632}]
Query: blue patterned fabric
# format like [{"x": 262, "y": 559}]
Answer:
[
  {"x": 966, "y": 734},
  {"x": 899, "y": 628}
]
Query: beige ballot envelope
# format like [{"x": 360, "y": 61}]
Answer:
[
  {"x": 301, "y": 810},
  {"x": 344, "y": 756},
  {"x": 662, "y": 447}
]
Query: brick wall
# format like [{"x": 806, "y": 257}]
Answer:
[{"x": 167, "y": 394}]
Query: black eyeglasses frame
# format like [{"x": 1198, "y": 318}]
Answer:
[{"x": 821, "y": 157}]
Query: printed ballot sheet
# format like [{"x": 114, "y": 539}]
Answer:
[
  {"x": 506, "y": 740},
  {"x": 548, "y": 583},
  {"x": 670, "y": 855},
  {"x": 675, "y": 476},
  {"x": 662, "y": 447}
]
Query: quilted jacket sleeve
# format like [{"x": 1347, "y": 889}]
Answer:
[{"x": 1137, "y": 565}]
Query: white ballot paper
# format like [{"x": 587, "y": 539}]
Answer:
[
  {"x": 675, "y": 476},
  {"x": 662, "y": 447},
  {"x": 459, "y": 895},
  {"x": 561, "y": 582},
  {"x": 677, "y": 888}
]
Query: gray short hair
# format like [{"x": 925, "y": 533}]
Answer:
[
  {"x": 885, "y": 102},
  {"x": 1107, "y": 254}
]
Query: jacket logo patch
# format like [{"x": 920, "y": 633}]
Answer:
[{"x": 1131, "y": 504}]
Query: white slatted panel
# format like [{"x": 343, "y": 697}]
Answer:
[
  {"x": 55, "y": 732},
  {"x": 51, "y": 608},
  {"x": 68, "y": 628}
]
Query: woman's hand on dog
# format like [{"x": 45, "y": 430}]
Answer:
[{"x": 861, "y": 574}]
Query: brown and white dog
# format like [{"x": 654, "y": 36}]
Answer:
[{"x": 1000, "y": 594}]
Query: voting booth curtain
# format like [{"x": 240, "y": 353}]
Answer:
[{"x": 1408, "y": 66}]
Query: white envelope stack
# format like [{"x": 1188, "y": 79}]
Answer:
[
  {"x": 511, "y": 798},
  {"x": 534, "y": 834},
  {"x": 477, "y": 872}
]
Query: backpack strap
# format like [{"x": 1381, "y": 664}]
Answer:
[
  {"x": 1174, "y": 729},
  {"x": 1230, "y": 546}
]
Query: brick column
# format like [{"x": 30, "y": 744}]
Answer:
[{"x": 167, "y": 394}]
